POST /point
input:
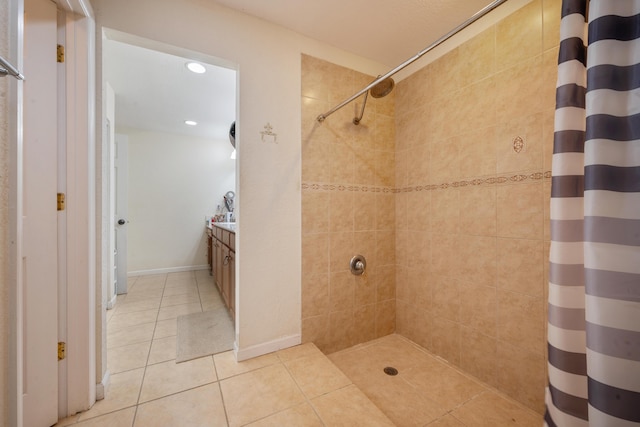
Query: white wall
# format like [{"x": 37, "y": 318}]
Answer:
[
  {"x": 267, "y": 57},
  {"x": 174, "y": 182}
]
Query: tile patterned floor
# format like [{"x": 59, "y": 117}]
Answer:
[{"x": 294, "y": 387}]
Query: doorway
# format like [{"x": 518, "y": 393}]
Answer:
[{"x": 178, "y": 171}]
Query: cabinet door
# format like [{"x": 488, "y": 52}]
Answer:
[
  {"x": 232, "y": 285},
  {"x": 217, "y": 264},
  {"x": 225, "y": 275},
  {"x": 210, "y": 253}
]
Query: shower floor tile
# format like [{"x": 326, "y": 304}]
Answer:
[{"x": 426, "y": 389}]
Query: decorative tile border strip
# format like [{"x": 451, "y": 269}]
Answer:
[{"x": 493, "y": 180}]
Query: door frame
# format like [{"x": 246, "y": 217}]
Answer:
[{"x": 81, "y": 211}]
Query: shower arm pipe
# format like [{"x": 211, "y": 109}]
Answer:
[
  {"x": 7, "y": 68},
  {"x": 482, "y": 12}
]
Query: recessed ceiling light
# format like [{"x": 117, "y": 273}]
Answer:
[
  {"x": 190, "y": 122},
  {"x": 196, "y": 67}
]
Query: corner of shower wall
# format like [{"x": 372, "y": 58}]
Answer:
[
  {"x": 474, "y": 140},
  {"x": 348, "y": 208}
]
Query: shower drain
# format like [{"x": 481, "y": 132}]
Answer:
[{"x": 390, "y": 371}]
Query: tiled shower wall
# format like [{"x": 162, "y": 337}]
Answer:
[
  {"x": 454, "y": 207},
  {"x": 474, "y": 139},
  {"x": 348, "y": 208}
]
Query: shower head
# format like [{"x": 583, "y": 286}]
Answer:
[
  {"x": 383, "y": 88},
  {"x": 380, "y": 90}
]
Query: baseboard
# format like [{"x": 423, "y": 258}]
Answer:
[
  {"x": 103, "y": 385},
  {"x": 167, "y": 270},
  {"x": 112, "y": 302},
  {"x": 265, "y": 348}
]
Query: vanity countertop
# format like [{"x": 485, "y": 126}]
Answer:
[{"x": 229, "y": 226}]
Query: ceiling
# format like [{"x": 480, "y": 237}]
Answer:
[
  {"x": 155, "y": 91},
  {"x": 386, "y": 31}
]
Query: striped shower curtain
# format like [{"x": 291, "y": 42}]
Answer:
[{"x": 594, "y": 275}]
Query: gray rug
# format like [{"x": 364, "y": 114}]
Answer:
[{"x": 203, "y": 334}]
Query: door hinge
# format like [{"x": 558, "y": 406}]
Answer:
[
  {"x": 60, "y": 201},
  {"x": 62, "y": 350},
  {"x": 60, "y": 53}
]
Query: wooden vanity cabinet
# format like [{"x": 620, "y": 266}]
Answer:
[{"x": 223, "y": 265}]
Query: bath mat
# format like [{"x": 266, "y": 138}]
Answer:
[{"x": 203, "y": 334}]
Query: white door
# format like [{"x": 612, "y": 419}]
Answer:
[
  {"x": 39, "y": 262},
  {"x": 121, "y": 173}
]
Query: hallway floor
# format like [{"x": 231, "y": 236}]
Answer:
[{"x": 299, "y": 386}]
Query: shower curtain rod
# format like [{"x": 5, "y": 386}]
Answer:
[
  {"x": 6, "y": 68},
  {"x": 482, "y": 12}
]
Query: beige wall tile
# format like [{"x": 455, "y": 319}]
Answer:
[
  {"x": 445, "y": 256},
  {"x": 365, "y": 244},
  {"x": 341, "y": 291},
  {"x": 551, "y": 14},
  {"x": 385, "y": 168},
  {"x": 419, "y": 211},
  {"x": 316, "y": 330},
  {"x": 529, "y": 130},
  {"x": 518, "y": 94},
  {"x": 478, "y": 259},
  {"x": 385, "y": 248},
  {"x": 478, "y": 57},
  {"x": 364, "y": 166},
  {"x": 548, "y": 119},
  {"x": 315, "y": 212},
  {"x": 402, "y": 243},
  {"x": 478, "y": 211},
  {"x": 418, "y": 248},
  {"x": 341, "y": 250},
  {"x": 520, "y": 321},
  {"x": 385, "y": 211},
  {"x": 419, "y": 285},
  {"x": 315, "y": 253},
  {"x": 520, "y": 211},
  {"x": 418, "y": 164},
  {"x": 341, "y": 330},
  {"x": 341, "y": 211},
  {"x": 410, "y": 127},
  {"x": 521, "y": 266},
  {"x": 479, "y": 356},
  {"x": 402, "y": 174},
  {"x": 364, "y": 208},
  {"x": 446, "y": 298},
  {"x": 445, "y": 211},
  {"x": 365, "y": 286},
  {"x": 316, "y": 166},
  {"x": 478, "y": 151},
  {"x": 385, "y": 318},
  {"x": 445, "y": 160},
  {"x": 477, "y": 106},
  {"x": 478, "y": 307},
  {"x": 364, "y": 319},
  {"x": 445, "y": 339},
  {"x": 315, "y": 294},
  {"x": 386, "y": 283},
  {"x": 385, "y": 126},
  {"x": 446, "y": 74},
  {"x": 521, "y": 375},
  {"x": 519, "y": 36},
  {"x": 549, "y": 77}
]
